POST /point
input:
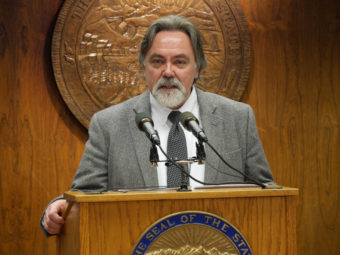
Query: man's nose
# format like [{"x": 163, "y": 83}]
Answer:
[{"x": 168, "y": 70}]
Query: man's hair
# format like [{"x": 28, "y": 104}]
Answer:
[{"x": 174, "y": 23}]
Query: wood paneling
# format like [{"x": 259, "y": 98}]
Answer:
[
  {"x": 41, "y": 142},
  {"x": 294, "y": 89}
]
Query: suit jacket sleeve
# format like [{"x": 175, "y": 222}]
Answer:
[
  {"x": 256, "y": 162},
  {"x": 92, "y": 173}
]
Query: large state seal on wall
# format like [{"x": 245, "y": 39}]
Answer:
[
  {"x": 189, "y": 233},
  {"x": 96, "y": 43}
]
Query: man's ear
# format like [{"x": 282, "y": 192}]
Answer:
[
  {"x": 142, "y": 74},
  {"x": 197, "y": 72}
]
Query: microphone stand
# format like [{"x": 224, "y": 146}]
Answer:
[
  {"x": 185, "y": 180},
  {"x": 200, "y": 158},
  {"x": 184, "y": 174},
  {"x": 200, "y": 152},
  {"x": 154, "y": 159}
]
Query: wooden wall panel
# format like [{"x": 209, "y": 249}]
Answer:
[
  {"x": 41, "y": 142},
  {"x": 294, "y": 89}
]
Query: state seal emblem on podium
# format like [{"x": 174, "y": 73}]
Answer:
[{"x": 192, "y": 233}]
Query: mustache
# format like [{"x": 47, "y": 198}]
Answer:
[{"x": 168, "y": 82}]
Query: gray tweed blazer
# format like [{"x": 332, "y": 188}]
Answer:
[{"x": 117, "y": 153}]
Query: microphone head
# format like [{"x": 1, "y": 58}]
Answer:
[
  {"x": 141, "y": 118},
  {"x": 185, "y": 117}
]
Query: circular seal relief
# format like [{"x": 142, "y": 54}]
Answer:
[
  {"x": 96, "y": 43},
  {"x": 192, "y": 232}
]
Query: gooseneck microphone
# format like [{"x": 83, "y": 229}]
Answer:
[
  {"x": 145, "y": 123},
  {"x": 190, "y": 122}
]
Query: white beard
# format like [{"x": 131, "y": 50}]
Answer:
[{"x": 172, "y": 98}]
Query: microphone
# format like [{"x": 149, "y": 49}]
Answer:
[
  {"x": 190, "y": 122},
  {"x": 145, "y": 123}
]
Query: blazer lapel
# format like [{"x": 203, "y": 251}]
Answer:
[
  {"x": 213, "y": 127},
  {"x": 142, "y": 144}
]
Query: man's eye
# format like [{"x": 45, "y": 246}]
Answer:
[
  {"x": 156, "y": 61},
  {"x": 180, "y": 62}
]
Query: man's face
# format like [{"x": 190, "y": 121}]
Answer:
[{"x": 170, "y": 68}]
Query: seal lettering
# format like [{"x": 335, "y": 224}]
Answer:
[
  {"x": 224, "y": 228},
  {"x": 149, "y": 236},
  {"x": 216, "y": 223},
  {"x": 207, "y": 219},
  {"x": 184, "y": 219},
  {"x": 192, "y": 217},
  {"x": 155, "y": 231},
  {"x": 244, "y": 251},
  {"x": 170, "y": 224},
  {"x": 178, "y": 232},
  {"x": 236, "y": 238},
  {"x": 241, "y": 244},
  {"x": 140, "y": 249},
  {"x": 141, "y": 246},
  {"x": 163, "y": 227},
  {"x": 138, "y": 252}
]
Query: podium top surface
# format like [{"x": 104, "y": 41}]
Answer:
[{"x": 202, "y": 193}]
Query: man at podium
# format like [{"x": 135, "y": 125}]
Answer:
[{"x": 117, "y": 154}]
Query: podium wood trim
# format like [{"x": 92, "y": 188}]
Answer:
[
  {"x": 111, "y": 196},
  {"x": 113, "y": 222}
]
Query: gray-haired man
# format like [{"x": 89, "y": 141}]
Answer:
[{"x": 117, "y": 154}]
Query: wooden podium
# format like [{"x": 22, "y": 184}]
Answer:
[{"x": 113, "y": 222}]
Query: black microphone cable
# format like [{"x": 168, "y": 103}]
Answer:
[
  {"x": 181, "y": 168},
  {"x": 221, "y": 172},
  {"x": 190, "y": 122},
  {"x": 233, "y": 168}
]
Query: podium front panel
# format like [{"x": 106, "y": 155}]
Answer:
[{"x": 113, "y": 223}]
